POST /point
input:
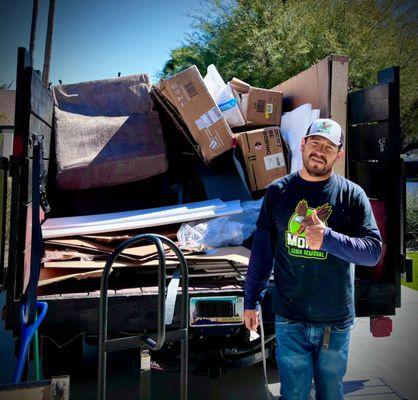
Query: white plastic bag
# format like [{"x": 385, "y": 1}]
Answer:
[{"x": 222, "y": 94}]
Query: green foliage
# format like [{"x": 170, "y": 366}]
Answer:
[
  {"x": 412, "y": 220},
  {"x": 267, "y": 42},
  {"x": 414, "y": 283}
]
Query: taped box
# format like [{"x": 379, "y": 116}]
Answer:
[
  {"x": 263, "y": 154},
  {"x": 258, "y": 106},
  {"x": 189, "y": 95}
]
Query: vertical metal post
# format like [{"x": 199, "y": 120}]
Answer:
[
  {"x": 33, "y": 31},
  {"x": 184, "y": 343},
  {"x": 48, "y": 44},
  {"x": 145, "y": 375}
]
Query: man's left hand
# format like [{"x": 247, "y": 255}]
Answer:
[{"x": 315, "y": 233}]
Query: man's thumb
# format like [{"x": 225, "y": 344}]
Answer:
[{"x": 315, "y": 218}]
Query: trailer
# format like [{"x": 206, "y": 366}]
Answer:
[{"x": 371, "y": 117}]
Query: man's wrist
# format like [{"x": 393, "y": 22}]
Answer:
[{"x": 251, "y": 305}]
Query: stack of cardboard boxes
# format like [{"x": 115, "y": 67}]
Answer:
[{"x": 259, "y": 139}]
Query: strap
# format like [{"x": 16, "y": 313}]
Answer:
[
  {"x": 36, "y": 245},
  {"x": 170, "y": 300},
  {"x": 263, "y": 353},
  {"x": 326, "y": 338},
  {"x": 241, "y": 172}
]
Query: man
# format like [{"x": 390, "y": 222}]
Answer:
[{"x": 313, "y": 225}]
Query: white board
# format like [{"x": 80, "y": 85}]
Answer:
[{"x": 229, "y": 208}]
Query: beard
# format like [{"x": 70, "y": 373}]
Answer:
[{"x": 315, "y": 169}]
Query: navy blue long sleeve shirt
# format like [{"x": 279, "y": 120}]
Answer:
[{"x": 314, "y": 286}]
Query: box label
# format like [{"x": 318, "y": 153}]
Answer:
[
  {"x": 190, "y": 89},
  {"x": 260, "y": 105},
  {"x": 274, "y": 161},
  {"x": 208, "y": 118}
]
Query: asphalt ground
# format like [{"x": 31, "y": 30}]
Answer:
[{"x": 379, "y": 368}]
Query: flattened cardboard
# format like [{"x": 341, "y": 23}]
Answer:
[
  {"x": 258, "y": 106},
  {"x": 139, "y": 252},
  {"x": 76, "y": 243},
  {"x": 325, "y": 86},
  {"x": 52, "y": 275},
  {"x": 188, "y": 93},
  {"x": 264, "y": 156},
  {"x": 101, "y": 264},
  {"x": 235, "y": 254}
]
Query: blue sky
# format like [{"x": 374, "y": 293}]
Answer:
[{"x": 95, "y": 39}]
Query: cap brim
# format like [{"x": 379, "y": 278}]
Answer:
[{"x": 326, "y": 136}]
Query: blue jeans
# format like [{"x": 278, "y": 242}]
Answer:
[{"x": 301, "y": 357}]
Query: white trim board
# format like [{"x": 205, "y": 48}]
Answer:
[
  {"x": 145, "y": 220},
  {"x": 129, "y": 216}
]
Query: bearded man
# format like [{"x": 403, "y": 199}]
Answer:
[{"x": 313, "y": 227}]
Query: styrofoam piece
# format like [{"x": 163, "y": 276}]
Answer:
[
  {"x": 126, "y": 216},
  {"x": 231, "y": 207},
  {"x": 294, "y": 126},
  {"x": 315, "y": 114}
]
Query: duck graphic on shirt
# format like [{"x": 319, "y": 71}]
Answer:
[{"x": 295, "y": 234}]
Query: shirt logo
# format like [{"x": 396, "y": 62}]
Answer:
[{"x": 295, "y": 239}]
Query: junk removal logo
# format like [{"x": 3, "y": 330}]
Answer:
[{"x": 295, "y": 239}]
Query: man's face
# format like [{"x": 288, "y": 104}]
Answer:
[{"x": 319, "y": 155}]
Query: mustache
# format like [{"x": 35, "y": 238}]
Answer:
[{"x": 319, "y": 157}]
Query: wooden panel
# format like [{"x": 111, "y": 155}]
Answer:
[
  {"x": 380, "y": 213},
  {"x": 22, "y": 103},
  {"x": 28, "y": 247},
  {"x": 369, "y": 142},
  {"x": 375, "y": 299},
  {"x": 3, "y": 202},
  {"x": 338, "y": 109},
  {"x": 38, "y": 127},
  {"x": 369, "y": 105},
  {"x": 372, "y": 177},
  {"x": 41, "y": 102}
]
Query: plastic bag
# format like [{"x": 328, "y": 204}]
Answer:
[
  {"x": 223, "y": 96},
  {"x": 231, "y": 230}
]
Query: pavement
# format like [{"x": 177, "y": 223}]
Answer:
[{"x": 379, "y": 369}]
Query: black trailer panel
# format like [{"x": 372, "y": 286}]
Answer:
[{"x": 375, "y": 164}]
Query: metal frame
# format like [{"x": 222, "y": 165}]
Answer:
[{"x": 110, "y": 345}]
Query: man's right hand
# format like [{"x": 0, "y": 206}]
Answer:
[{"x": 251, "y": 319}]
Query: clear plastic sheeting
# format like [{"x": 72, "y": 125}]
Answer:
[{"x": 218, "y": 232}]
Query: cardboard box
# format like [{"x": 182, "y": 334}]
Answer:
[
  {"x": 258, "y": 106},
  {"x": 188, "y": 93},
  {"x": 263, "y": 154}
]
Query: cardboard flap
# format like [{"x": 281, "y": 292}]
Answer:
[{"x": 239, "y": 85}]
